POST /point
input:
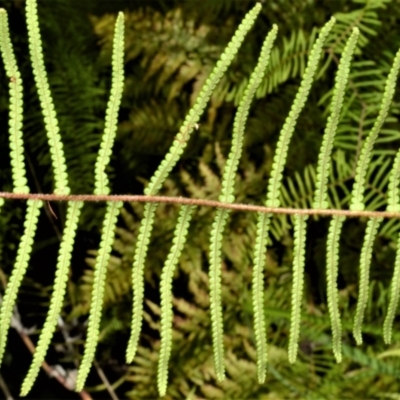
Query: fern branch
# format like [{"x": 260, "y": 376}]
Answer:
[
  {"x": 18, "y": 272},
  {"x": 57, "y": 297},
  {"x": 46, "y": 101},
  {"x": 365, "y": 262},
  {"x": 204, "y": 203},
  {"x": 357, "y": 195},
  {"x": 300, "y": 226},
  {"x": 323, "y": 166},
  {"x": 286, "y": 133},
  {"x": 15, "y": 121},
  {"x": 394, "y": 298},
  {"x": 332, "y": 259},
  {"x": 217, "y": 229},
  {"x": 166, "y": 166},
  {"x": 179, "y": 240},
  {"x": 100, "y": 271},
  {"x": 263, "y": 223},
  {"x": 117, "y": 84}
]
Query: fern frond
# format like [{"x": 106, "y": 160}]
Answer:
[
  {"x": 323, "y": 166},
  {"x": 357, "y": 198},
  {"x": 365, "y": 262},
  {"x": 100, "y": 271},
  {"x": 394, "y": 298},
  {"x": 194, "y": 114},
  {"x": 57, "y": 297},
  {"x": 285, "y": 135},
  {"x": 217, "y": 329},
  {"x": 332, "y": 259},
  {"x": 257, "y": 289},
  {"x": 300, "y": 227},
  {"x": 142, "y": 244},
  {"x": 117, "y": 84},
  {"x": 15, "y": 121},
  {"x": 166, "y": 166},
  {"x": 180, "y": 235},
  {"x": 18, "y": 272},
  {"x": 46, "y": 101}
]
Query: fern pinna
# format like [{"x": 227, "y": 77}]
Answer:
[{"x": 322, "y": 202}]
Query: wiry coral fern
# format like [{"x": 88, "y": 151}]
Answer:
[
  {"x": 166, "y": 166},
  {"x": 221, "y": 217},
  {"x": 275, "y": 182},
  {"x": 319, "y": 200}
]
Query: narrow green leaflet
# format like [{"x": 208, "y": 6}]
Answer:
[
  {"x": 18, "y": 169},
  {"x": 332, "y": 260},
  {"x": 167, "y": 275},
  {"x": 300, "y": 227},
  {"x": 57, "y": 297},
  {"x": 365, "y": 262},
  {"x": 114, "y": 102},
  {"x": 46, "y": 101},
  {"x": 96, "y": 305},
  {"x": 19, "y": 270}
]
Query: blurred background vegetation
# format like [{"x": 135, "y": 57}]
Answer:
[{"x": 171, "y": 46}]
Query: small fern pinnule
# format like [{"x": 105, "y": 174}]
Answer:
[
  {"x": 100, "y": 271},
  {"x": 142, "y": 244},
  {"x": 221, "y": 216},
  {"x": 196, "y": 111},
  {"x": 287, "y": 130},
  {"x": 231, "y": 165},
  {"x": 393, "y": 187},
  {"x": 227, "y": 196},
  {"x": 300, "y": 227},
  {"x": 114, "y": 102},
  {"x": 18, "y": 272},
  {"x": 57, "y": 297},
  {"x": 165, "y": 168},
  {"x": 332, "y": 260},
  {"x": 257, "y": 289},
  {"x": 18, "y": 169},
  {"x": 365, "y": 262},
  {"x": 394, "y": 298},
  {"x": 393, "y": 206},
  {"x": 357, "y": 194},
  {"x": 323, "y": 166},
  {"x": 167, "y": 275},
  {"x": 46, "y": 101}
]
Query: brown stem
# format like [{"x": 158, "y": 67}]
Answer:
[{"x": 199, "y": 202}]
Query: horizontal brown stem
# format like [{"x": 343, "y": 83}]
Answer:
[{"x": 197, "y": 202}]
